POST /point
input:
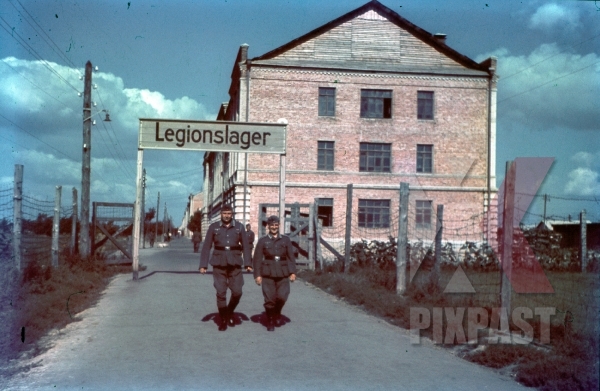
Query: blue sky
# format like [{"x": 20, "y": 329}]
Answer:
[{"x": 174, "y": 60}]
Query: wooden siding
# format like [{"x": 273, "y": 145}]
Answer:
[{"x": 369, "y": 38}]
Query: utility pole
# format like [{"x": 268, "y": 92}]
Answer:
[
  {"x": 545, "y": 200},
  {"x": 156, "y": 230},
  {"x": 142, "y": 225},
  {"x": 84, "y": 233}
]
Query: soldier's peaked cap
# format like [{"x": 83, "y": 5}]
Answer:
[
  {"x": 273, "y": 219},
  {"x": 226, "y": 208}
]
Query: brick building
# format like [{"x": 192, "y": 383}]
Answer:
[{"x": 371, "y": 100}]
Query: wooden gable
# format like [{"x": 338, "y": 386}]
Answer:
[{"x": 370, "y": 37}]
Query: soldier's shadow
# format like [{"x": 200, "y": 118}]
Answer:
[
  {"x": 262, "y": 319},
  {"x": 216, "y": 318}
]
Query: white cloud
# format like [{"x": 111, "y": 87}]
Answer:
[
  {"x": 583, "y": 181},
  {"x": 548, "y": 88},
  {"x": 552, "y": 15},
  {"x": 47, "y": 135}
]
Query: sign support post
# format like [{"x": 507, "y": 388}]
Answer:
[{"x": 212, "y": 136}]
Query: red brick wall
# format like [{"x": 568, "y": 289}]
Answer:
[{"x": 458, "y": 133}]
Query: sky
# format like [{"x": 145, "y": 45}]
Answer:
[{"x": 159, "y": 59}]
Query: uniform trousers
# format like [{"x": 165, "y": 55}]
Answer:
[
  {"x": 275, "y": 291},
  {"x": 231, "y": 277}
]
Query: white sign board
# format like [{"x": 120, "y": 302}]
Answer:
[{"x": 219, "y": 136}]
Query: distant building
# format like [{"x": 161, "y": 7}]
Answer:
[
  {"x": 372, "y": 100},
  {"x": 195, "y": 203}
]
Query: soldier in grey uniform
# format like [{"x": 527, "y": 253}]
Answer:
[
  {"x": 231, "y": 253},
  {"x": 274, "y": 268}
]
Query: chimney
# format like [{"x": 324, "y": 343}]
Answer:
[
  {"x": 441, "y": 38},
  {"x": 243, "y": 52}
]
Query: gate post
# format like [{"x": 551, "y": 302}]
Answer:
[
  {"x": 348, "y": 228},
  {"x": 311, "y": 237},
  {"x": 401, "y": 261},
  {"x": 74, "y": 224},
  {"x": 17, "y": 214},
  {"x": 56, "y": 226}
]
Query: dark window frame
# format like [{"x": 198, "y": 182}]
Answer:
[
  {"x": 425, "y": 158},
  {"x": 375, "y": 103},
  {"x": 375, "y": 157},
  {"x": 423, "y": 213},
  {"x": 374, "y": 213},
  {"x": 327, "y": 101},
  {"x": 325, "y": 210},
  {"x": 425, "y": 105},
  {"x": 325, "y": 155}
]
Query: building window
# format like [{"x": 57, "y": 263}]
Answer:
[
  {"x": 374, "y": 213},
  {"x": 325, "y": 156},
  {"x": 375, "y": 157},
  {"x": 424, "y": 158},
  {"x": 423, "y": 218},
  {"x": 326, "y": 102},
  {"x": 376, "y": 104},
  {"x": 425, "y": 105},
  {"x": 325, "y": 211}
]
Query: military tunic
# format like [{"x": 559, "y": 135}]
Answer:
[
  {"x": 274, "y": 261},
  {"x": 231, "y": 252}
]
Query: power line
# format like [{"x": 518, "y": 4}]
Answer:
[
  {"x": 57, "y": 50},
  {"x": 548, "y": 82},
  {"x": 43, "y": 142},
  {"x": 35, "y": 85},
  {"x": 547, "y": 58},
  {"x": 33, "y": 52}
]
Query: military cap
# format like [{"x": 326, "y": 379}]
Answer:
[
  {"x": 226, "y": 207},
  {"x": 273, "y": 220}
]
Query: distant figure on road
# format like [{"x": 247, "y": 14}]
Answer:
[
  {"x": 274, "y": 268},
  {"x": 196, "y": 239},
  {"x": 250, "y": 236},
  {"x": 230, "y": 244}
]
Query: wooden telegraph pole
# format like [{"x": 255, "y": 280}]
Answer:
[{"x": 84, "y": 233}]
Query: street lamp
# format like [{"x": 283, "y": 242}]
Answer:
[{"x": 106, "y": 119}]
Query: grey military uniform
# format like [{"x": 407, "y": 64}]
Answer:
[
  {"x": 231, "y": 252},
  {"x": 274, "y": 261}
]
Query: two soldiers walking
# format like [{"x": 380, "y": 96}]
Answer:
[{"x": 274, "y": 266}]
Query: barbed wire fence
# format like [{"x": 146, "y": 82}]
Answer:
[
  {"x": 471, "y": 240},
  {"x": 33, "y": 229}
]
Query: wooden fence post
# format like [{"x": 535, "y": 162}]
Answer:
[
  {"x": 401, "y": 260},
  {"x": 583, "y": 241},
  {"x": 17, "y": 214},
  {"x": 74, "y": 224},
  {"x": 348, "y": 228},
  {"x": 508, "y": 214},
  {"x": 318, "y": 254},
  {"x": 56, "y": 226},
  {"x": 439, "y": 226},
  {"x": 311, "y": 237}
]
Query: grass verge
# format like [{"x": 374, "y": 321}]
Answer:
[
  {"x": 569, "y": 362},
  {"x": 42, "y": 298}
]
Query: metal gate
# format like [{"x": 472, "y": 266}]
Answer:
[{"x": 115, "y": 222}]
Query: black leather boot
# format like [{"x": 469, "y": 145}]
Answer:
[
  {"x": 232, "y": 320},
  {"x": 277, "y": 313},
  {"x": 223, "y": 321},
  {"x": 270, "y": 325}
]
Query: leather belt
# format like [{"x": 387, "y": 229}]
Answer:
[
  {"x": 227, "y": 248},
  {"x": 276, "y": 258}
]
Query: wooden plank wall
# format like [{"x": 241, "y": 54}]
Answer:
[{"x": 373, "y": 39}]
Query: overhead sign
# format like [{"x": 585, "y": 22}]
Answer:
[{"x": 218, "y": 136}]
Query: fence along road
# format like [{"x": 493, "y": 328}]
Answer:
[{"x": 150, "y": 334}]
